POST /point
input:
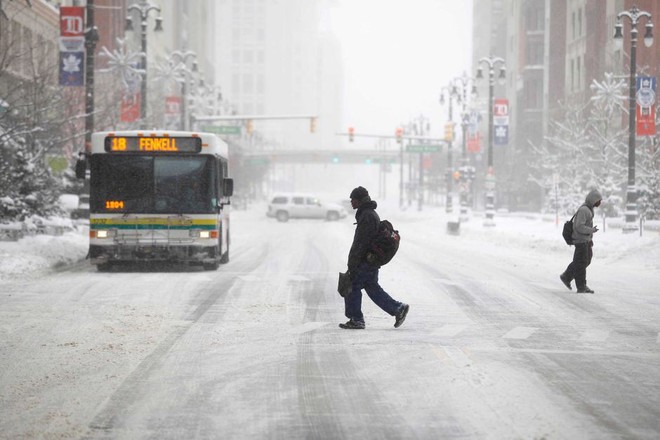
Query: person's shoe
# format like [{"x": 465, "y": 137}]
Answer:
[
  {"x": 566, "y": 282},
  {"x": 584, "y": 289},
  {"x": 401, "y": 316},
  {"x": 353, "y": 325}
]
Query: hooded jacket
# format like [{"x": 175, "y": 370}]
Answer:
[
  {"x": 583, "y": 223},
  {"x": 365, "y": 233}
]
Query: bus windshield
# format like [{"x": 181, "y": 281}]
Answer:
[{"x": 153, "y": 184}]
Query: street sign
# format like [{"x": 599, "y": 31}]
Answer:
[
  {"x": 423, "y": 148},
  {"x": 233, "y": 130}
]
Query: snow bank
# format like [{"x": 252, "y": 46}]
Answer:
[{"x": 42, "y": 252}]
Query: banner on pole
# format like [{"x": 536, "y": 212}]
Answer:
[
  {"x": 130, "y": 108},
  {"x": 645, "y": 108},
  {"x": 72, "y": 46},
  {"x": 501, "y": 121},
  {"x": 473, "y": 142}
]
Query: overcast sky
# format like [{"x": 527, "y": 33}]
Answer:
[{"x": 398, "y": 55}]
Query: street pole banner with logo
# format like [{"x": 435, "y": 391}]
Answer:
[
  {"x": 72, "y": 46},
  {"x": 129, "y": 110},
  {"x": 473, "y": 141},
  {"x": 501, "y": 121},
  {"x": 646, "y": 87}
]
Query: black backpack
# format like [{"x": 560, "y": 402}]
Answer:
[
  {"x": 385, "y": 245},
  {"x": 568, "y": 231}
]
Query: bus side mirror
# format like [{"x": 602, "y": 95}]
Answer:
[
  {"x": 227, "y": 187},
  {"x": 81, "y": 168}
]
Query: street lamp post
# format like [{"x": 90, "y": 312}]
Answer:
[
  {"x": 421, "y": 127},
  {"x": 91, "y": 38},
  {"x": 144, "y": 8},
  {"x": 463, "y": 82},
  {"x": 452, "y": 93},
  {"x": 492, "y": 63},
  {"x": 634, "y": 15},
  {"x": 183, "y": 58}
]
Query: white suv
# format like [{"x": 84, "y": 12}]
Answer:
[{"x": 286, "y": 206}]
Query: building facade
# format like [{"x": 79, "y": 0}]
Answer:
[{"x": 554, "y": 51}]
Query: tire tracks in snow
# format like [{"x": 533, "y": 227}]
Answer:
[{"x": 117, "y": 407}]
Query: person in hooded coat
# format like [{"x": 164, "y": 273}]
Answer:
[
  {"x": 364, "y": 275},
  {"x": 583, "y": 233}
]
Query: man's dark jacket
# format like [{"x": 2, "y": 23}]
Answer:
[{"x": 365, "y": 233}]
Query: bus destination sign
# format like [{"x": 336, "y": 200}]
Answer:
[{"x": 152, "y": 144}]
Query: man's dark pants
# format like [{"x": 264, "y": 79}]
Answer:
[
  {"x": 577, "y": 270},
  {"x": 366, "y": 277}
]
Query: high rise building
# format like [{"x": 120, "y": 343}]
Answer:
[{"x": 279, "y": 58}]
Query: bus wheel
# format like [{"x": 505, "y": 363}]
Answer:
[
  {"x": 225, "y": 258},
  {"x": 282, "y": 216},
  {"x": 104, "y": 267},
  {"x": 212, "y": 266}
]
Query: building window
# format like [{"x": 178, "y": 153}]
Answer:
[
  {"x": 573, "y": 28},
  {"x": 534, "y": 53},
  {"x": 260, "y": 84},
  {"x": 579, "y": 22},
  {"x": 248, "y": 83},
  {"x": 579, "y": 73},
  {"x": 235, "y": 84}
]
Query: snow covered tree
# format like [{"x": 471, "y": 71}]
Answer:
[
  {"x": 35, "y": 110},
  {"x": 648, "y": 181},
  {"x": 586, "y": 150}
]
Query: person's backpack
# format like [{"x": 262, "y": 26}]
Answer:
[
  {"x": 385, "y": 245},
  {"x": 567, "y": 232}
]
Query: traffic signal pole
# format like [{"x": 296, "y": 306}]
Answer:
[{"x": 399, "y": 136}]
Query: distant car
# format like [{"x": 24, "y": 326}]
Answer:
[{"x": 286, "y": 206}]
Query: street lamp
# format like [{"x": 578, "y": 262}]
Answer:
[
  {"x": 492, "y": 63},
  {"x": 182, "y": 58},
  {"x": 144, "y": 8},
  {"x": 421, "y": 127},
  {"x": 452, "y": 94},
  {"x": 463, "y": 82},
  {"x": 634, "y": 15}
]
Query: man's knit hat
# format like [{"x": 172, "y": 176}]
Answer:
[{"x": 359, "y": 193}]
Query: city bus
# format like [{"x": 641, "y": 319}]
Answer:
[{"x": 158, "y": 196}]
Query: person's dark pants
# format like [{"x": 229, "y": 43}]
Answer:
[
  {"x": 577, "y": 270},
  {"x": 366, "y": 277}
]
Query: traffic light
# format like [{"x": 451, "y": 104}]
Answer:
[
  {"x": 399, "y": 135},
  {"x": 312, "y": 125},
  {"x": 449, "y": 132},
  {"x": 249, "y": 127},
  {"x": 351, "y": 132}
]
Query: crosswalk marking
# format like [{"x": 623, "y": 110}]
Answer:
[
  {"x": 595, "y": 335},
  {"x": 307, "y": 327},
  {"x": 520, "y": 333},
  {"x": 449, "y": 330},
  {"x": 457, "y": 356}
]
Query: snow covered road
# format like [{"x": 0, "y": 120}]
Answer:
[{"x": 494, "y": 345}]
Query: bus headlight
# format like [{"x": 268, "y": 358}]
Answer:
[
  {"x": 196, "y": 233},
  {"x": 102, "y": 233}
]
